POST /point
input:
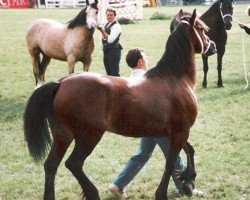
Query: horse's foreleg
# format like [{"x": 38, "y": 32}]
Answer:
[
  {"x": 76, "y": 160},
  {"x": 161, "y": 192},
  {"x": 189, "y": 174},
  {"x": 219, "y": 67},
  {"x": 71, "y": 60},
  {"x": 51, "y": 164},
  {"x": 205, "y": 70},
  {"x": 86, "y": 63}
]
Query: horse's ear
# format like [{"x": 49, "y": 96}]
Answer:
[
  {"x": 193, "y": 17},
  {"x": 181, "y": 13},
  {"x": 96, "y": 2},
  {"x": 87, "y": 2}
]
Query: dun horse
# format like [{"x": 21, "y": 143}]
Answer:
[
  {"x": 162, "y": 103},
  {"x": 219, "y": 19},
  {"x": 71, "y": 42}
]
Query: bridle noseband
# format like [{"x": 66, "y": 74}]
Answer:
[{"x": 203, "y": 51}]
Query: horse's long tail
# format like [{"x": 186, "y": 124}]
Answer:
[{"x": 38, "y": 110}]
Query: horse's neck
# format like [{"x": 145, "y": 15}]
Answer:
[
  {"x": 177, "y": 61},
  {"x": 212, "y": 15}
]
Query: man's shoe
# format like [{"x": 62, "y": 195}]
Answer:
[{"x": 117, "y": 191}]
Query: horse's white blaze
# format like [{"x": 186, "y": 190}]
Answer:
[{"x": 92, "y": 17}]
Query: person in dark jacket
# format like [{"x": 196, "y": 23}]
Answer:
[{"x": 111, "y": 47}]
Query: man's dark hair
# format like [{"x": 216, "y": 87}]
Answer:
[
  {"x": 133, "y": 56},
  {"x": 111, "y": 10}
]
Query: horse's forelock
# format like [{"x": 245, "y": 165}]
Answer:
[{"x": 94, "y": 5}]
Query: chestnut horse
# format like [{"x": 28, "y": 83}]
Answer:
[
  {"x": 219, "y": 19},
  {"x": 82, "y": 106},
  {"x": 71, "y": 42}
]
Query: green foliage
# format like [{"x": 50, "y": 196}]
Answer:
[
  {"x": 124, "y": 20},
  {"x": 160, "y": 16},
  {"x": 220, "y": 134}
]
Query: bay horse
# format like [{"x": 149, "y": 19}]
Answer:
[
  {"x": 82, "y": 106},
  {"x": 69, "y": 42},
  {"x": 218, "y": 18}
]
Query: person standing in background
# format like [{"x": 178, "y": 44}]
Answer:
[{"x": 111, "y": 47}]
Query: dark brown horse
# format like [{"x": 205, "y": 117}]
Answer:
[
  {"x": 81, "y": 107},
  {"x": 71, "y": 42},
  {"x": 219, "y": 19}
]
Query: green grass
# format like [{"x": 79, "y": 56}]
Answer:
[{"x": 220, "y": 135}]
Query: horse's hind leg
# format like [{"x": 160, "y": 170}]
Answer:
[
  {"x": 42, "y": 68},
  {"x": 205, "y": 70},
  {"x": 76, "y": 160},
  {"x": 35, "y": 63},
  {"x": 189, "y": 174},
  {"x": 58, "y": 149}
]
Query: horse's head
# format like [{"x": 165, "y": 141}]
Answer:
[
  {"x": 197, "y": 28},
  {"x": 226, "y": 10},
  {"x": 92, "y": 14}
]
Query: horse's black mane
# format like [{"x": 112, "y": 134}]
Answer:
[
  {"x": 79, "y": 20},
  {"x": 174, "y": 61}
]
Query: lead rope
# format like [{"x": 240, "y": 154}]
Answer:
[
  {"x": 244, "y": 55},
  {"x": 244, "y": 59}
]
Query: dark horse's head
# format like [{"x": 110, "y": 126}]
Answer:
[
  {"x": 226, "y": 10},
  {"x": 87, "y": 16}
]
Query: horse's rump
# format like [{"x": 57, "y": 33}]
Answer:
[{"x": 47, "y": 35}]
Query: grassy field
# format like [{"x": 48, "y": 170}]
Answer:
[{"x": 220, "y": 135}]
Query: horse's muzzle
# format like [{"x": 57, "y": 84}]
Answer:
[
  {"x": 91, "y": 30},
  {"x": 228, "y": 26},
  {"x": 211, "y": 49}
]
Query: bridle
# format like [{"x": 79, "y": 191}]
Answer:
[
  {"x": 203, "y": 51},
  {"x": 226, "y": 15}
]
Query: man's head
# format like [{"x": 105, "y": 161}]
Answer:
[
  {"x": 136, "y": 57},
  {"x": 110, "y": 14}
]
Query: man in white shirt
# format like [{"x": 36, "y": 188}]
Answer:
[{"x": 111, "y": 47}]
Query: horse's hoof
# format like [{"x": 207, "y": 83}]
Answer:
[
  {"x": 188, "y": 189},
  {"x": 220, "y": 85},
  {"x": 204, "y": 85}
]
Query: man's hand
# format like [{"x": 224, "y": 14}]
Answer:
[
  {"x": 100, "y": 27},
  {"x": 242, "y": 25}
]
